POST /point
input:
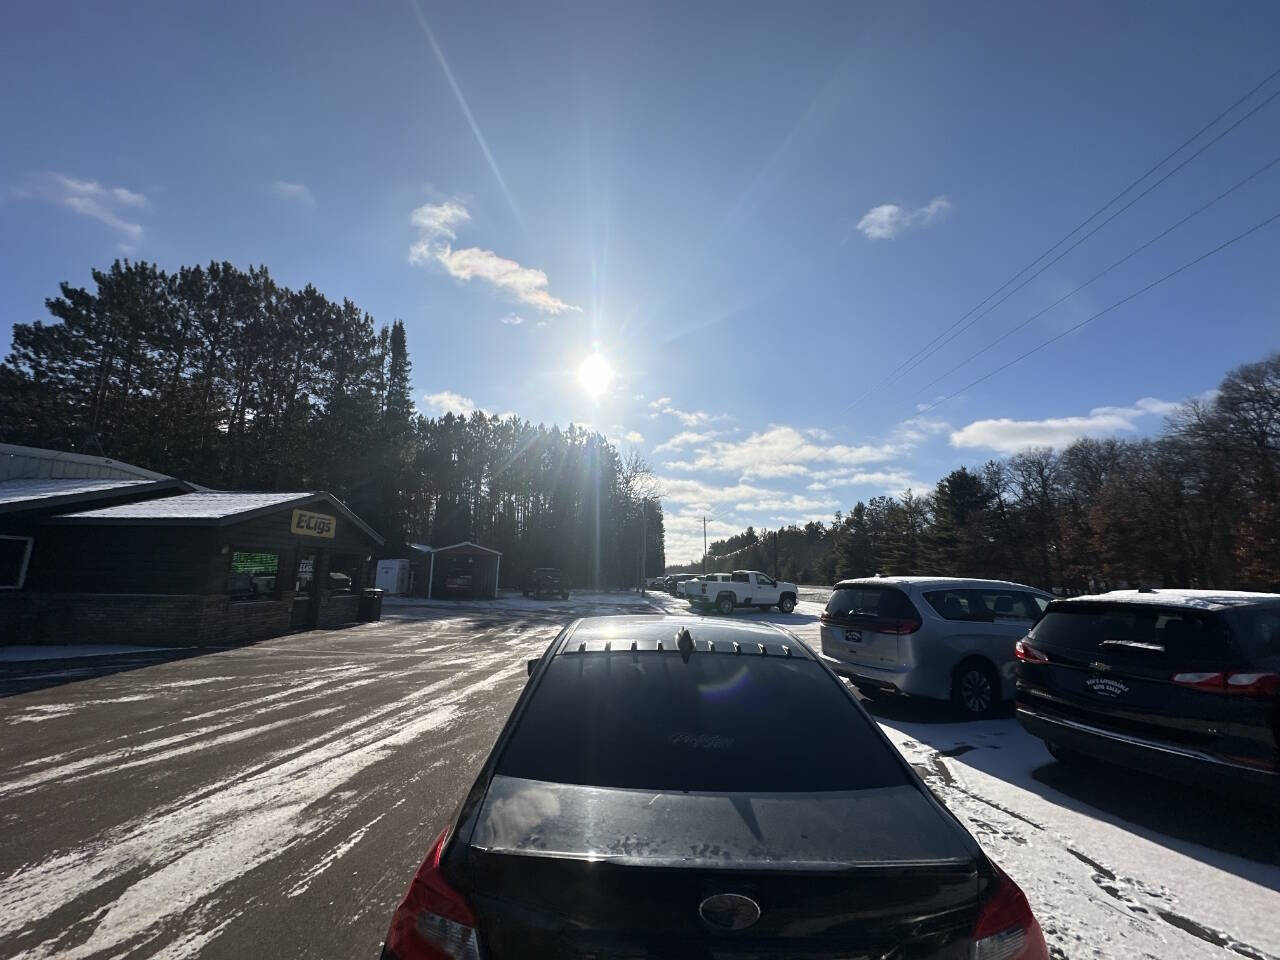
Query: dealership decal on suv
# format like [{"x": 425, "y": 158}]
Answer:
[{"x": 1106, "y": 686}]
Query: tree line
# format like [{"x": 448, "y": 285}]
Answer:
[
  {"x": 1196, "y": 506},
  {"x": 223, "y": 377}
]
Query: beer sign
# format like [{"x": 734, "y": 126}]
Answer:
[{"x": 308, "y": 524}]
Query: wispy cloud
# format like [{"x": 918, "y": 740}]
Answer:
[
  {"x": 888, "y": 220},
  {"x": 1007, "y": 435},
  {"x": 634, "y": 436},
  {"x": 295, "y": 192},
  {"x": 438, "y": 224},
  {"x": 690, "y": 418},
  {"x": 446, "y": 401},
  {"x": 685, "y": 438},
  {"x": 89, "y": 198},
  {"x": 513, "y": 319},
  {"x": 781, "y": 451}
]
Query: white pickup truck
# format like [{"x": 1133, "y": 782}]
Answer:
[{"x": 742, "y": 588}]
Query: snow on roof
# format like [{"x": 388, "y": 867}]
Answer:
[
  {"x": 1197, "y": 599},
  {"x": 946, "y": 582},
  {"x": 189, "y": 506},
  {"x": 33, "y": 463},
  {"x": 35, "y": 488}
]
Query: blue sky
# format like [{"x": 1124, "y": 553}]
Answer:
[{"x": 754, "y": 212}]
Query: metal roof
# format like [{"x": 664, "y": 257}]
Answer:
[
  {"x": 21, "y": 491},
  {"x": 209, "y": 508},
  {"x": 33, "y": 463},
  {"x": 1191, "y": 599},
  {"x": 423, "y": 548},
  {"x": 644, "y": 633}
]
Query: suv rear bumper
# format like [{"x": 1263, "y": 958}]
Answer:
[{"x": 1126, "y": 750}]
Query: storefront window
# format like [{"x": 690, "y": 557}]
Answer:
[
  {"x": 253, "y": 576},
  {"x": 15, "y": 552},
  {"x": 344, "y": 572}
]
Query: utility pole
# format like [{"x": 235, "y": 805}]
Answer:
[
  {"x": 704, "y": 544},
  {"x": 775, "y": 554},
  {"x": 644, "y": 543}
]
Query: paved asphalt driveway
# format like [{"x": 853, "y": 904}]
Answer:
[{"x": 265, "y": 801}]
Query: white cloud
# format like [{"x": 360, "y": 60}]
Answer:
[
  {"x": 685, "y": 438},
  {"x": 1009, "y": 436},
  {"x": 446, "y": 401},
  {"x": 513, "y": 319},
  {"x": 89, "y": 198},
  {"x": 889, "y": 480},
  {"x": 702, "y": 496},
  {"x": 634, "y": 436},
  {"x": 781, "y": 451},
  {"x": 794, "y": 503},
  {"x": 888, "y": 220},
  {"x": 438, "y": 224},
  {"x": 298, "y": 192},
  {"x": 690, "y": 418}
]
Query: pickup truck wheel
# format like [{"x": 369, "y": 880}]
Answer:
[
  {"x": 787, "y": 603},
  {"x": 725, "y": 605}
]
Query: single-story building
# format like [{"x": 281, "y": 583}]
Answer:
[
  {"x": 463, "y": 569},
  {"x": 171, "y": 564}
]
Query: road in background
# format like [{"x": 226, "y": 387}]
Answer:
[{"x": 274, "y": 800}]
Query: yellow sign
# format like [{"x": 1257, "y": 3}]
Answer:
[{"x": 308, "y": 524}]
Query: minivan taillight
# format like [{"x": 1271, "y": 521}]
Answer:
[
  {"x": 1027, "y": 653},
  {"x": 899, "y": 626},
  {"x": 1006, "y": 928},
  {"x": 433, "y": 922}
]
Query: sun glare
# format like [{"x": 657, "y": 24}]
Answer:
[{"x": 595, "y": 374}]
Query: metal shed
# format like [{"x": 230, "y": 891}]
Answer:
[{"x": 463, "y": 569}]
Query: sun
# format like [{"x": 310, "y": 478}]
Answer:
[{"x": 595, "y": 373}]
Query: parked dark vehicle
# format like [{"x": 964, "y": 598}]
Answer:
[
  {"x": 720, "y": 830},
  {"x": 674, "y": 581},
  {"x": 546, "y": 581},
  {"x": 1183, "y": 683}
]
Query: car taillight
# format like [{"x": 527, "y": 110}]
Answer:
[
  {"x": 1027, "y": 653},
  {"x": 1006, "y": 929},
  {"x": 433, "y": 922},
  {"x": 1238, "y": 684},
  {"x": 899, "y": 626}
]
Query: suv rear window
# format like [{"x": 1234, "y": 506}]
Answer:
[
  {"x": 1137, "y": 635},
  {"x": 881, "y": 603},
  {"x": 718, "y": 723}
]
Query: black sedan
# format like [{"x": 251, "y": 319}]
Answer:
[{"x": 669, "y": 787}]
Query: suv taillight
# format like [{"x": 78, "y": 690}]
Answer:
[
  {"x": 1006, "y": 928},
  {"x": 433, "y": 921},
  {"x": 1027, "y": 653},
  {"x": 1238, "y": 684}
]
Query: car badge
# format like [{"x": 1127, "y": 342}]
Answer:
[{"x": 729, "y": 911}]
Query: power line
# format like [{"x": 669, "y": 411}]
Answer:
[
  {"x": 1097, "y": 276},
  {"x": 923, "y": 352},
  {"x": 1133, "y": 296}
]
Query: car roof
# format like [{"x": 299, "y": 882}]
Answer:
[
  {"x": 1189, "y": 599},
  {"x": 709, "y": 635},
  {"x": 957, "y": 582}
]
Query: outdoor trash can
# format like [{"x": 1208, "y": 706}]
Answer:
[{"x": 371, "y": 604}]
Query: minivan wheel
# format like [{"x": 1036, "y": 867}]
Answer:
[
  {"x": 975, "y": 689},
  {"x": 725, "y": 606},
  {"x": 787, "y": 604}
]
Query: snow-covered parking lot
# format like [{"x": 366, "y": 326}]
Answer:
[{"x": 274, "y": 799}]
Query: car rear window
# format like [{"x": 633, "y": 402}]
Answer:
[
  {"x": 719, "y": 722},
  {"x": 1138, "y": 635},
  {"x": 985, "y": 604},
  {"x": 878, "y": 602},
  {"x": 1257, "y": 633}
]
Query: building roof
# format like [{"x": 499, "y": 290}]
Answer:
[
  {"x": 34, "y": 463},
  {"x": 464, "y": 546},
  {"x": 1191, "y": 599},
  {"x": 208, "y": 508}
]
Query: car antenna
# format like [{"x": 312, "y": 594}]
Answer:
[{"x": 684, "y": 643}]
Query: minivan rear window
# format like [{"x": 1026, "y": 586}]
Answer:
[
  {"x": 1130, "y": 634},
  {"x": 855, "y": 602},
  {"x": 720, "y": 722}
]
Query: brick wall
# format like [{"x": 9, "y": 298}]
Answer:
[{"x": 338, "y": 609}]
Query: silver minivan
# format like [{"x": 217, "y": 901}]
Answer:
[{"x": 944, "y": 638}]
